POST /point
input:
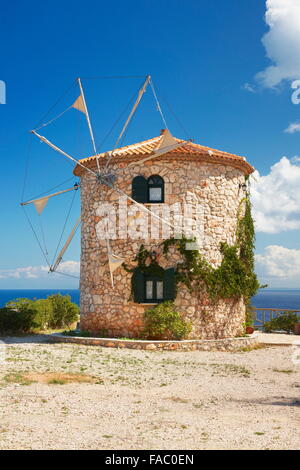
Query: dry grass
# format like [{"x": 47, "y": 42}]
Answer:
[
  {"x": 55, "y": 378},
  {"x": 67, "y": 396}
]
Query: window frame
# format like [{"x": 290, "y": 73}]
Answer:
[
  {"x": 155, "y": 280},
  {"x": 160, "y": 185}
]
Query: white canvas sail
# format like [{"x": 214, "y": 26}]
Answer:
[
  {"x": 79, "y": 104},
  {"x": 40, "y": 204}
]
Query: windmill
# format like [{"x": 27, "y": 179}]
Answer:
[{"x": 103, "y": 175}]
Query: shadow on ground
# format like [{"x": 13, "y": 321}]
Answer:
[{"x": 36, "y": 339}]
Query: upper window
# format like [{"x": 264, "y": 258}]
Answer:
[
  {"x": 149, "y": 190},
  {"x": 155, "y": 189}
]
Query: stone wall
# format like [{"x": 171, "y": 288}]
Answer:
[
  {"x": 216, "y": 188},
  {"x": 228, "y": 344}
]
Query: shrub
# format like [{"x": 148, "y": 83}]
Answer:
[
  {"x": 43, "y": 313},
  {"x": 250, "y": 315},
  {"x": 14, "y": 321},
  {"x": 57, "y": 311},
  {"x": 64, "y": 312},
  {"x": 41, "y": 308},
  {"x": 81, "y": 334},
  {"x": 164, "y": 322},
  {"x": 284, "y": 322}
]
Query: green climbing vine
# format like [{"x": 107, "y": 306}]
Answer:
[
  {"x": 234, "y": 278},
  {"x": 151, "y": 269}
]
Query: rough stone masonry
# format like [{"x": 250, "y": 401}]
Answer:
[{"x": 193, "y": 174}]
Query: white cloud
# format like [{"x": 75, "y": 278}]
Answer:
[
  {"x": 276, "y": 197},
  {"x": 39, "y": 272},
  {"x": 279, "y": 262},
  {"x": 249, "y": 87},
  {"x": 292, "y": 128},
  {"x": 281, "y": 42}
]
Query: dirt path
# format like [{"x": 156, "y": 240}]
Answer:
[{"x": 147, "y": 400}]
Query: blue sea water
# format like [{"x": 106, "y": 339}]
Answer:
[
  {"x": 10, "y": 294},
  {"x": 266, "y": 298}
]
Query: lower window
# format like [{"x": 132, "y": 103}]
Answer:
[{"x": 154, "y": 290}]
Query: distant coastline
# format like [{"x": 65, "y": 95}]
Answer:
[{"x": 284, "y": 298}]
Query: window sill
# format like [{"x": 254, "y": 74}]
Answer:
[
  {"x": 155, "y": 203},
  {"x": 149, "y": 303}
]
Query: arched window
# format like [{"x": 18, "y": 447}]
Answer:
[
  {"x": 155, "y": 189},
  {"x": 148, "y": 190}
]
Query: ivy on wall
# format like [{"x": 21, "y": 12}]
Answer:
[{"x": 234, "y": 278}]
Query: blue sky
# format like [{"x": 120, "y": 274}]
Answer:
[{"x": 204, "y": 58}]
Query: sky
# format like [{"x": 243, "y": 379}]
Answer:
[{"x": 226, "y": 75}]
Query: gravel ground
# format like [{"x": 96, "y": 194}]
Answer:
[{"x": 146, "y": 400}]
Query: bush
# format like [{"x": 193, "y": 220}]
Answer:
[
  {"x": 57, "y": 311},
  {"x": 14, "y": 321},
  {"x": 284, "y": 322},
  {"x": 64, "y": 312},
  {"x": 77, "y": 333},
  {"x": 164, "y": 322},
  {"x": 41, "y": 308},
  {"x": 43, "y": 313}
]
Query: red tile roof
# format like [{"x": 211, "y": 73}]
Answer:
[{"x": 140, "y": 150}]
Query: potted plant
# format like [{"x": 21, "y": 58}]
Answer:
[{"x": 249, "y": 330}]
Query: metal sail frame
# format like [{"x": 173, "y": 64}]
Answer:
[
  {"x": 59, "y": 258},
  {"x": 141, "y": 92},
  {"x": 32, "y": 201}
]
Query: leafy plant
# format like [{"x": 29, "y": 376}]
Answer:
[
  {"x": 284, "y": 322},
  {"x": 77, "y": 333},
  {"x": 56, "y": 311},
  {"x": 250, "y": 315},
  {"x": 164, "y": 322},
  {"x": 235, "y": 277},
  {"x": 41, "y": 309},
  {"x": 14, "y": 321},
  {"x": 64, "y": 312}
]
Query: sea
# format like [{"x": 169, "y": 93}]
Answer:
[{"x": 266, "y": 298}]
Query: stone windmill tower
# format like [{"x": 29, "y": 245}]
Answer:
[{"x": 187, "y": 174}]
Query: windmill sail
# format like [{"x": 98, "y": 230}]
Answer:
[
  {"x": 115, "y": 262},
  {"x": 79, "y": 104},
  {"x": 166, "y": 144},
  {"x": 41, "y": 202},
  {"x": 54, "y": 267}
]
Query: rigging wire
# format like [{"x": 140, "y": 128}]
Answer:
[
  {"x": 56, "y": 103},
  {"x": 116, "y": 122},
  {"x": 64, "y": 274},
  {"x": 54, "y": 119},
  {"x": 158, "y": 104},
  {"x": 176, "y": 117},
  {"x": 129, "y": 120},
  {"x": 54, "y": 187},
  {"x": 36, "y": 237},
  {"x": 112, "y": 77},
  {"x": 64, "y": 227},
  {"x": 43, "y": 234},
  {"x": 29, "y": 146}
]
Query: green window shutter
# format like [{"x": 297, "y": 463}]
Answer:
[
  {"x": 140, "y": 189},
  {"x": 138, "y": 286},
  {"x": 169, "y": 284}
]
